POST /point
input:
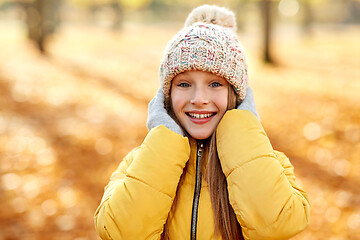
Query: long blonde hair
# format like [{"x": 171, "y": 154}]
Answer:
[{"x": 226, "y": 223}]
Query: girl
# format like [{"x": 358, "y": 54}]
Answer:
[{"x": 206, "y": 169}]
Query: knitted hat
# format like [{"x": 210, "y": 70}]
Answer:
[{"x": 208, "y": 42}]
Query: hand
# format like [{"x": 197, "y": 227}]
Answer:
[
  {"x": 157, "y": 115},
  {"x": 249, "y": 103}
]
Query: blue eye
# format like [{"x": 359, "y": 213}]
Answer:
[
  {"x": 184, "y": 85},
  {"x": 215, "y": 84}
]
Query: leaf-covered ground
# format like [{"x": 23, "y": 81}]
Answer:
[{"x": 66, "y": 121}]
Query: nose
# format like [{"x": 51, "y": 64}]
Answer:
[{"x": 199, "y": 97}]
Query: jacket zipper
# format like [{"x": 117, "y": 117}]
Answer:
[{"x": 196, "y": 198}]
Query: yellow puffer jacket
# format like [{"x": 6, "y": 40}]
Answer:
[{"x": 262, "y": 189}]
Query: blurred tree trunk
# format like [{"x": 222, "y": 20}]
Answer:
[
  {"x": 239, "y": 7},
  {"x": 42, "y": 20},
  {"x": 119, "y": 13},
  {"x": 353, "y": 7},
  {"x": 308, "y": 17},
  {"x": 94, "y": 8},
  {"x": 115, "y": 6},
  {"x": 266, "y": 10}
]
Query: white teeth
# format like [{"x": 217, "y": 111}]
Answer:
[{"x": 200, "y": 116}]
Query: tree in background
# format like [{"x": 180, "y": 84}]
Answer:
[
  {"x": 267, "y": 16},
  {"x": 308, "y": 16},
  {"x": 42, "y": 16},
  {"x": 117, "y": 12},
  {"x": 42, "y": 19},
  {"x": 112, "y": 10},
  {"x": 353, "y": 10}
]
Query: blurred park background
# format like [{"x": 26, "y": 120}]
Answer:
[{"x": 76, "y": 77}]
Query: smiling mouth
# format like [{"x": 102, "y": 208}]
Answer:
[{"x": 200, "y": 115}]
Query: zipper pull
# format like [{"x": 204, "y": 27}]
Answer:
[{"x": 199, "y": 153}]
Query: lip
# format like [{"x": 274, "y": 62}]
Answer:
[{"x": 203, "y": 120}]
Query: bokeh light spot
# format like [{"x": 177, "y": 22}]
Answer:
[
  {"x": 45, "y": 157},
  {"x": 341, "y": 167},
  {"x": 21, "y": 92},
  {"x": 65, "y": 222},
  {"x": 312, "y": 131},
  {"x": 352, "y": 133},
  {"x": 20, "y": 204},
  {"x": 11, "y": 181},
  {"x": 342, "y": 198},
  {"x": 354, "y": 221},
  {"x": 36, "y": 218},
  {"x": 332, "y": 214},
  {"x": 323, "y": 156},
  {"x": 67, "y": 196},
  {"x": 49, "y": 207},
  {"x": 103, "y": 146},
  {"x": 56, "y": 96},
  {"x": 289, "y": 8},
  {"x": 37, "y": 144},
  {"x": 31, "y": 186}
]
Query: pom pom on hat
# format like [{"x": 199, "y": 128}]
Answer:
[
  {"x": 208, "y": 42},
  {"x": 212, "y": 14}
]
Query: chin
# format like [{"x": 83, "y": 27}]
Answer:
[{"x": 200, "y": 136}]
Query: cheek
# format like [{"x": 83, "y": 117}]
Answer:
[
  {"x": 176, "y": 102},
  {"x": 222, "y": 101}
]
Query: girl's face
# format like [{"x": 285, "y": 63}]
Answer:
[{"x": 199, "y": 100}]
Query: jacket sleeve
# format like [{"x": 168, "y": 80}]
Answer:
[
  {"x": 261, "y": 182},
  {"x": 140, "y": 193}
]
